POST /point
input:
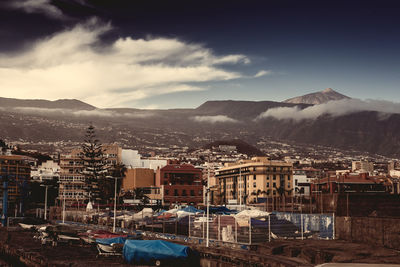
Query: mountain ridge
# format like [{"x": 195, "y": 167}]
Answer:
[{"x": 73, "y": 104}]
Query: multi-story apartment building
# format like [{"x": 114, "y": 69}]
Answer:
[
  {"x": 16, "y": 170},
  {"x": 180, "y": 183},
  {"x": 241, "y": 181},
  {"x": 72, "y": 180},
  {"x": 301, "y": 183},
  {"x": 46, "y": 171}
]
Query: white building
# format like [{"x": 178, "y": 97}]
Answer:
[
  {"x": 301, "y": 183},
  {"x": 132, "y": 159},
  {"x": 395, "y": 173},
  {"x": 48, "y": 170},
  {"x": 362, "y": 166}
]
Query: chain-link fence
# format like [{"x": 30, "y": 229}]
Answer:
[{"x": 246, "y": 230}]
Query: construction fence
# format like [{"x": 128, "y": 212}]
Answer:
[{"x": 247, "y": 230}]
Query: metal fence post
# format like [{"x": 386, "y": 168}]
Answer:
[
  {"x": 301, "y": 225},
  {"x": 203, "y": 227},
  {"x": 333, "y": 225},
  {"x": 249, "y": 230},
  {"x": 189, "y": 226},
  {"x": 236, "y": 234},
  {"x": 269, "y": 228},
  {"x": 219, "y": 227}
]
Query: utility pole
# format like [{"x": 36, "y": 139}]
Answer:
[
  {"x": 115, "y": 203},
  {"x": 208, "y": 205},
  {"x": 5, "y": 199}
]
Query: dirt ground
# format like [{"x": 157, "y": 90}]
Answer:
[
  {"x": 310, "y": 252},
  {"x": 62, "y": 255},
  {"x": 336, "y": 251}
]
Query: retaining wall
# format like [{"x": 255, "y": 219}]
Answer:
[{"x": 375, "y": 231}]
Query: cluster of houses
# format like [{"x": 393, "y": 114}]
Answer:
[{"x": 169, "y": 181}]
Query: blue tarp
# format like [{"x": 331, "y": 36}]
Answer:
[
  {"x": 222, "y": 210},
  {"x": 148, "y": 250},
  {"x": 109, "y": 241},
  {"x": 321, "y": 223},
  {"x": 192, "y": 209}
]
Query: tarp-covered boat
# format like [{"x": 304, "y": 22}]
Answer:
[
  {"x": 154, "y": 251},
  {"x": 110, "y": 246}
]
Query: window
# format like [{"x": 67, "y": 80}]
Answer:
[
  {"x": 274, "y": 185},
  {"x": 192, "y": 192},
  {"x": 267, "y": 184},
  {"x": 176, "y": 192},
  {"x": 254, "y": 177},
  {"x": 295, "y": 182},
  {"x": 184, "y": 192},
  {"x": 254, "y": 184},
  {"x": 167, "y": 192},
  {"x": 274, "y": 177},
  {"x": 200, "y": 192}
]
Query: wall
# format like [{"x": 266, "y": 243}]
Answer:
[
  {"x": 138, "y": 177},
  {"x": 360, "y": 204},
  {"x": 375, "y": 231}
]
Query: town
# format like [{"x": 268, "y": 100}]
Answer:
[{"x": 120, "y": 190}]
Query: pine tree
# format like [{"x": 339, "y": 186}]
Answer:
[{"x": 94, "y": 164}]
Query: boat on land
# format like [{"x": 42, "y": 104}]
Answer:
[{"x": 159, "y": 252}]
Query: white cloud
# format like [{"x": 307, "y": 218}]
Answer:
[
  {"x": 37, "y": 6},
  {"x": 81, "y": 113},
  {"x": 214, "y": 119},
  {"x": 73, "y": 64},
  {"x": 333, "y": 108},
  {"x": 262, "y": 73}
]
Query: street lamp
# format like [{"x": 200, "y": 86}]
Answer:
[
  {"x": 208, "y": 205},
  {"x": 115, "y": 201},
  {"x": 5, "y": 198},
  {"x": 45, "y": 200},
  {"x": 63, "y": 212}
]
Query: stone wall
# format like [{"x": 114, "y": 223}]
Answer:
[{"x": 371, "y": 230}]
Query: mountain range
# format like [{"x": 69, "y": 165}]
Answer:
[{"x": 42, "y": 121}]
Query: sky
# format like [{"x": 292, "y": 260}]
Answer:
[{"x": 179, "y": 54}]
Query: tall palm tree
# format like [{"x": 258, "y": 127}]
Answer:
[
  {"x": 139, "y": 194},
  {"x": 259, "y": 192},
  {"x": 267, "y": 192},
  {"x": 281, "y": 191}
]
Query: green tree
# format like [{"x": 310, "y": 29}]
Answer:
[{"x": 94, "y": 164}]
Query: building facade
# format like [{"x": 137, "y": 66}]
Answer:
[
  {"x": 362, "y": 166},
  {"x": 180, "y": 183},
  {"x": 138, "y": 178},
  {"x": 351, "y": 183},
  {"x": 46, "y": 171},
  {"x": 72, "y": 180},
  {"x": 247, "y": 180},
  {"x": 132, "y": 159},
  {"x": 16, "y": 170},
  {"x": 301, "y": 183}
]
